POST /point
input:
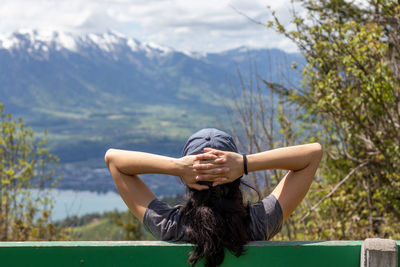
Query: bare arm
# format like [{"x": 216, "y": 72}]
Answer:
[
  {"x": 302, "y": 162},
  {"x": 125, "y": 166}
]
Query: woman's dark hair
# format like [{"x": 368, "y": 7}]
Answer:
[{"x": 216, "y": 218}]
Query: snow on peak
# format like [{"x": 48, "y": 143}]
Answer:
[
  {"x": 8, "y": 42},
  {"x": 163, "y": 49},
  {"x": 66, "y": 41},
  {"x": 196, "y": 55},
  {"x": 133, "y": 44},
  {"x": 38, "y": 40},
  {"x": 42, "y": 42},
  {"x": 107, "y": 41}
]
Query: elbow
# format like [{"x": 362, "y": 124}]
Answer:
[
  {"x": 317, "y": 151},
  {"x": 108, "y": 156}
]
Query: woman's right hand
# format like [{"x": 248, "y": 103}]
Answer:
[
  {"x": 188, "y": 173},
  {"x": 213, "y": 160}
]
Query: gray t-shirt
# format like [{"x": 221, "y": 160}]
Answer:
[{"x": 165, "y": 222}]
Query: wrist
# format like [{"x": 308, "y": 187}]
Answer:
[
  {"x": 178, "y": 166},
  {"x": 237, "y": 165},
  {"x": 182, "y": 166},
  {"x": 250, "y": 159}
]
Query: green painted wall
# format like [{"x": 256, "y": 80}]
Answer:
[{"x": 136, "y": 253}]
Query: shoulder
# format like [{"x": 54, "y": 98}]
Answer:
[
  {"x": 163, "y": 221},
  {"x": 266, "y": 218}
]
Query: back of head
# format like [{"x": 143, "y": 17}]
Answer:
[{"x": 216, "y": 218}]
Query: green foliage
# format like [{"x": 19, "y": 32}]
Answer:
[
  {"x": 25, "y": 174},
  {"x": 77, "y": 221},
  {"x": 102, "y": 228},
  {"x": 351, "y": 101},
  {"x": 130, "y": 224}
]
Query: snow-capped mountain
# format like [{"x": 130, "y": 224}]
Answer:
[
  {"x": 40, "y": 44},
  {"x": 59, "y": 70}
]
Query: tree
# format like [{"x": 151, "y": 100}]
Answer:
[
  {"x": 26, "y": 173},
  {"x": 260, "y": 121},
  {"x": 351, "y": 103},
  {"x": 131, "y": 225}
]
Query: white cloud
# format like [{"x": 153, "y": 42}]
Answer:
[{"x": 212, "y": 25}]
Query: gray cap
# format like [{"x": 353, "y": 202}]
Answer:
[{"x": 209, "y": 137}]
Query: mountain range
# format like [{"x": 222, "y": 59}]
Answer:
[{"x": 95, "y": 91}]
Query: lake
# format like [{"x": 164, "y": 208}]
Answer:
[{"x": 70, "y": 202}]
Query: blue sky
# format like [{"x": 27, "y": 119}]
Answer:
[{"x": 204, "y": 26}]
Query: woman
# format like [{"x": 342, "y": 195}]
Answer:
[{"x": 214, "y": 216}]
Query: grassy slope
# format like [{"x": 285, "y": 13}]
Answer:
[
  {"x": 103, "y": 229},
  {"x": 99, "y": 230}
]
